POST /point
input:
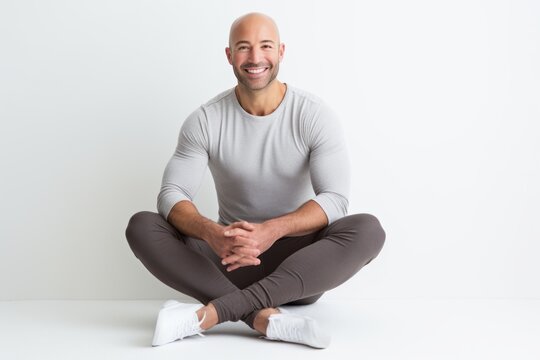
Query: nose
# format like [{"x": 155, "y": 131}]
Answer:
[{"x": 255, "y": 55}]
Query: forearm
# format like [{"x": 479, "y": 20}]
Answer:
[
  {"x": 306, "y": 219},
  {"x": 186, "y": 218}
]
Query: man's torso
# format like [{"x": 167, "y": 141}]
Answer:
[{"x": 260, "y": 164}]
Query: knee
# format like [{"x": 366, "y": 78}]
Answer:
[
  {"x": 368, "y": 232},
  {"x": 139, "y": 224}
]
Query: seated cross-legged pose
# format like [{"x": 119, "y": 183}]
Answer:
[{"x": 281, "y": 170}]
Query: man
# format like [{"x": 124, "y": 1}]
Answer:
[{"x": 281, "y": 170}]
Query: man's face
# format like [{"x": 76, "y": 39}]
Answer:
[{"x": 255, "y": 53}]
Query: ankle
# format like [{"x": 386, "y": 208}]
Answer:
[
  {"x": 211, "y": 317},
  {"x": 260, "y": 322}
]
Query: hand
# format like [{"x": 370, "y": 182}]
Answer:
[
  {"x": 225, "y": 246},
  {"x": 260, "y": 236}
]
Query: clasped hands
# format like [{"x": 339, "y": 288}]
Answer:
[{"x": 240, "y": 243}]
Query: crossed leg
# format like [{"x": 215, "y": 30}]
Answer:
[{"x": 295, "y": 270}]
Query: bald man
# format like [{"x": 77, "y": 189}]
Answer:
[{"x": 281, "y": 169}]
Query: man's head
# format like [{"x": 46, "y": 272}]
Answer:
[{"x": 254, "y": 50}]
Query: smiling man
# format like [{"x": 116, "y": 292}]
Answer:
[{"x": 281, "y": 169}]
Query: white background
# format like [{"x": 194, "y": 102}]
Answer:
[{"x": 439, "y": 99}]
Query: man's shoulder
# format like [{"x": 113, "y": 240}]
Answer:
[
  {"x": 219, "y": 99},
  {"x": 308, "y": 104},
  {"x": 303, "y": 96},
  {"x": 215, "y": 104}
]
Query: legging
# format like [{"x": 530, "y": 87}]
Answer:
[{"x": 293, "y": 271}]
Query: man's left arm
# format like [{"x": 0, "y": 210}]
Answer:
[{"x": 308, "y": 218}]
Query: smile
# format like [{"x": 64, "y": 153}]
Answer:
[{"x": 256, "y": 70}]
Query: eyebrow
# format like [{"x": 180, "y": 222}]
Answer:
[{"x": 247, "y": 42}]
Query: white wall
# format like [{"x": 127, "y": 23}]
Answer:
[{"x": 439, "y": 100}]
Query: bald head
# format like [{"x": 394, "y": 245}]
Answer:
[
  {"x": 255, "y": 51},
  {"x": 253, "y": 23}
]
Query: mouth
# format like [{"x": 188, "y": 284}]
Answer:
[{"x": 256, "y": 71}]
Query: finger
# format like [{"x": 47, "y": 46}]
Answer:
[
  {"x": 244, "y": 259},
  {"x": 237, "y": 232},
  {"x": 234, "y": 267},
  {"x": 233, "y": 232},
  {"x": 234, "y": 225},
  {"x": 244, "y": 241},
  {"x": 243, "y": 224},
  {"x": 237, "y": 244},
  {"x": 239, "y": 237},
  {"x": 231, "y": 259},
  {"x": 243, "y": 262},
  {"x": 246, "y": 225},
  {"x": 247, "y": 260},
  {"x": 230, "y": 227},
  {"x": 246, "y": 251}
]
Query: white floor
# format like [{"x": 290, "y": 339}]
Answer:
[{"x": 363, "y": 329}]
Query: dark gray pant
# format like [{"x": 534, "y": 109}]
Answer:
[{"x": 294, "y": 271}]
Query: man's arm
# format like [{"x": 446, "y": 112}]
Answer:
[
  {"x": 185, "y": 170},
  {"x": 181, "y": 180},
  {"x": 186, "y": 218},
  {"x": 306, "y": 219}
]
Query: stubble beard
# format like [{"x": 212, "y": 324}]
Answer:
[{"x": 274, "y": 69}]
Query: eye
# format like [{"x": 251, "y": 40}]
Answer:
[
  {"x": 267, "y": 46},
  {"x": 241, "y": 48}
]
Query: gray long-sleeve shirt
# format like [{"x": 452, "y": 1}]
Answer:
[{"x": 263, "y": 166}]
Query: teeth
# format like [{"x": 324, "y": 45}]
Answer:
[{"x": 255, "y": 71}]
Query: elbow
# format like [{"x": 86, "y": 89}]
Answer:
[
  {"x": 334, "y": 205},
  {"x": 167, "y": 198},
  {"x": 342, "y": 206},
  {"x": 161, "y": 205}
]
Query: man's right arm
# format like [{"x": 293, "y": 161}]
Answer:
[
  {"x": 185, "y": 170},
  {"x": 181, "y": 180},
  {"x": 186, "y": 218}
]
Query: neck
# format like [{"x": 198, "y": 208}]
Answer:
[{"x": 261, "y": 102}]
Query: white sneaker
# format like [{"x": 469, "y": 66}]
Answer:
[
  {"x": 297, "y": 329},
  {"x": 169, "y": 303},
  {"x": 176, "y": 321}
]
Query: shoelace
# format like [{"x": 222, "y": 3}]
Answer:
[{"x": 190, "y": 328}]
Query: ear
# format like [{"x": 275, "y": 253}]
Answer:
[
  {"x": 229, "y": 54},
  {"x": 281, "y": 51}
]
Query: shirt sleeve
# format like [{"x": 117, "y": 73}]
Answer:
[
  {"x": 329, "y": 163},
  {"x": 184, "y": 172}
]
